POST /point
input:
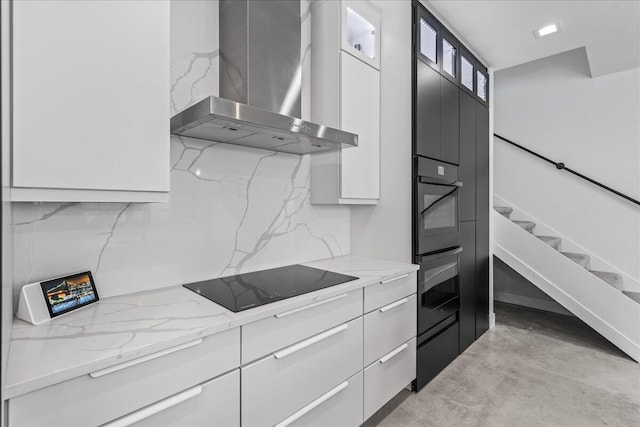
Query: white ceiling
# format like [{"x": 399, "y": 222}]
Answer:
[{"x": 502, "y": 31}]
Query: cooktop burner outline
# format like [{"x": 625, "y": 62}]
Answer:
[{"x": 249, "y": 290}]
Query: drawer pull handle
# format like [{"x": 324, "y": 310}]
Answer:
[
  {"x": 311, "y": 406},
  {"x": 394, "y": 353},
  {"x": 155, "y": 408},
  {"x": 384, "y": 282},
  {"x": 394, "y": 305},
  {"x": 116, "y": 368},
  {"x": 306, "y": 307},
  {"x": 306, "y": 343}
]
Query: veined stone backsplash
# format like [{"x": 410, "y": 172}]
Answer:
[{"x": 232, "y": 209}]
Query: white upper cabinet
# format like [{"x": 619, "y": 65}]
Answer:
[
  {"x": 345, "y": 93},
  {"x": 361, "y": 31},
  {"x": 90, "y": 101},
  {"x": 359, "y": 113}
]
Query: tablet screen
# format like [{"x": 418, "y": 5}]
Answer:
[{"x": 65, "y": 294}]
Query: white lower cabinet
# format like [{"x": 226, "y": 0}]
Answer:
[
  {"x": 389, "y": 290},
  {"x": 275, "y": 332},
  {"x": 277, "y": 386},
  {"x": 388, "y": 375},
  {"x": 110, "y": 393},
  {"x": 339, "y": 407},
  {"x": 215, "y": 403},
  {"x": 388, "y": 327}
]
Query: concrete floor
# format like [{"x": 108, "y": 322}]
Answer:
[{"x": 533, "y": 369}]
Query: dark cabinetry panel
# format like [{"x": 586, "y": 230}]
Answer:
[
  {"x": 482, "y": 277},
  {"x": 467, "y": 157},
  {"x": 437, "y": 116},
  {"x": 435, "y": 353},
  {"x": 482, "y": 162},
  {"x": 450, "y": 124},
  {"x": 427, "y": 114},
  {"x": 467, "y": 285}
]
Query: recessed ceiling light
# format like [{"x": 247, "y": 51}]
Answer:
[{"x": 547, "y": 29}]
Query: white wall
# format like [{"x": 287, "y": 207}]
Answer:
[
  {"x": 384, "y": 230},
  {"x": 592, "y": 125},
  {"x": 232, "y": 209}
]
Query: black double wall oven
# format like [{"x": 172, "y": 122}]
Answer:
[{"x": 437, "y": 249}]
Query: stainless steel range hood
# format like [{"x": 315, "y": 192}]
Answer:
[
  {"x": 222, "y": 120},
  {"x": 260, "y": 73}
]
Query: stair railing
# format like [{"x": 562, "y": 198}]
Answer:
[{"x": 562, "y": 166}]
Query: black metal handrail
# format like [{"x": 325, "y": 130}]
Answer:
[{"x": 562, "y": 166}]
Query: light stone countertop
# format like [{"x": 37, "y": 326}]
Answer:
[{"x": 126, "y": 327}]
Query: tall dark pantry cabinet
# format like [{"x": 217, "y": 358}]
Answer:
[{"x": 450, "y": 194}]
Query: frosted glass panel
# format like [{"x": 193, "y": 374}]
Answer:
[
  {"x": 482, "y": 86},
  {"x": 448, "y": 58},
  {"x": 361, "y": 34},
  {"x": 466, "y": 73},
  {"x": 428, "y": 40}
]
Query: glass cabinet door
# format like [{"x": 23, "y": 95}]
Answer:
[
  {"x": 482, "y": 86},
  {"x": 449, "y": 52},
  {"x": 466, "y": 73},
  {"x": 361, "y": 32},
  {"x": 449, "y": 63},
  {"x": 428, "y": 39}
]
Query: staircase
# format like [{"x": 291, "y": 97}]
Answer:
[
  {"x": 583, "y": 260},
  {"x": 606, "y": 300}
]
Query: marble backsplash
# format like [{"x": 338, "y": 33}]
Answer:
[{"x": 232, "y": 209}]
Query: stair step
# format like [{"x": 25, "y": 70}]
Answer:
[
  {"x": 503, "y": 210},
  {"x": 552, "y": 241},
  {"x": 580, "y": 259},
  {"x": 527, "y": 225},
  {"x": 614, "y": 279},
  {"x": 633, "y": 295}
]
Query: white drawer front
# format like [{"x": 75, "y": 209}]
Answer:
[
  {"x": 111, "y": 393},
  {"x": 389, "y": 290},
  {"x": 267, "y": 335},
  {"x": 339, "y": 407},
  {"x": 388, "y": 327},
  {"x": 216, "y": 403},
  {"x": 279, "y": 385},
  {"x": 388, "y": 375}
]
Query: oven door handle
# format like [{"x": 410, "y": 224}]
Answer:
[
  {"x": 424, "y": 180},
  {"x": 450, "y": 252}
]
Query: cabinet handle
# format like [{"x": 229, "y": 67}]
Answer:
[
  {"x": 384, "y": 282},
  {"x": 112, "y": 369},
  {"x": 394, "y": 305},
  {"x": 393, "y": 353},
  {"x": 311, "y": 406},
  {"x": 306, "y": 343},
  {"x": 306, "y": 307},
  {"x": 155, "y": 408}
]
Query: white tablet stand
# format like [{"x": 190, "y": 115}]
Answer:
[{"x": 32, "y": 306}]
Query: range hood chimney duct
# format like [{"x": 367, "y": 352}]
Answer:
[
  {"x": 260, "y": 63},
  {"x": 260, "y": 84}
]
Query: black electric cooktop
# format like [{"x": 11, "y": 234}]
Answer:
[{"x": 245, "y": 291}]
